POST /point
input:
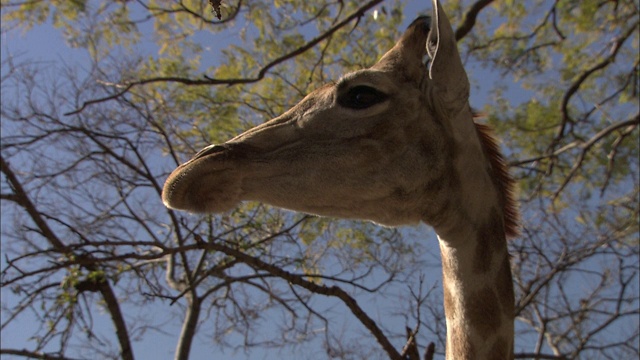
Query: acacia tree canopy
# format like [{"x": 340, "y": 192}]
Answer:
[{"x": 93, "y": 265}]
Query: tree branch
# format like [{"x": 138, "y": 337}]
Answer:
[
  {"x": 333, "y": 291},
  {"x": 106, "y": 291},
  {"x": 470, "y": 18},
  {"x": 575, "y": 86},
  {"x": 33, "y": 355},
  {"x": 597, "y": 137},
  {"x": 261, "y": 74},
  {"x": 586, "y": 146}
]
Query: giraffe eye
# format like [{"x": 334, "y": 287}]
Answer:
[{"x": 361, "y": 97}]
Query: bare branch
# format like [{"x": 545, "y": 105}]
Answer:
[
  {"x": 566, "y": 98},
  {"x": 261, "y": 74},
  {"x": 577, "y": 144},
  {"x": 470, "y": 18},
  {"x": 105, "y": 289},
  {"x": 332, "y": 291},
  {"x": 34, "y": 355}
]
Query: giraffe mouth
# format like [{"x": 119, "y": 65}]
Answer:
[{"x": 211, "y": 188}]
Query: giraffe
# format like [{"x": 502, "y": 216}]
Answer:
[{"x": 394, "y": 144}]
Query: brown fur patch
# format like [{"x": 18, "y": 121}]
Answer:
[
  {"x": 504, "y": 287},
  {"x": 490, "y": 242},
  {"x": 502, "y": 179},
  {"x": 483, "y": 255},
  {"x": 484, "y": 312},
  {"x": 499, "y": 350}
]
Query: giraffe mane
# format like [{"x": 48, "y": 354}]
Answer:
[{"x": 502, "y": 179}]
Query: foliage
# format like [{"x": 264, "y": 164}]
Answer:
[{"x": 85, "y": 152}]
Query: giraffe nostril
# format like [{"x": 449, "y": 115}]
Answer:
[
  {"x": 211, "y": 149},
  {"x": 229, "y": 150}
]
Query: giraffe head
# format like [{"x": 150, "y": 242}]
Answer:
[{"x": 380, "y": 144}]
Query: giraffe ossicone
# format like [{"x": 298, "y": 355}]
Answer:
[{"x": 395, "y": 144}]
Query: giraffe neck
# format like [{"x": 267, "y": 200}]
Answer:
[{"x": 478, "y": 292}]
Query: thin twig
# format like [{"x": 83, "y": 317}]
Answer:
[{"x": 212, "y": 81}]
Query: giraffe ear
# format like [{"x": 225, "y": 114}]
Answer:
[
  {"x": 445, "y": 65},
  {"x": 405, "y": 58}
]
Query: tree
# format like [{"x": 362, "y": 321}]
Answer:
[{"x": 85, "y": 153}]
